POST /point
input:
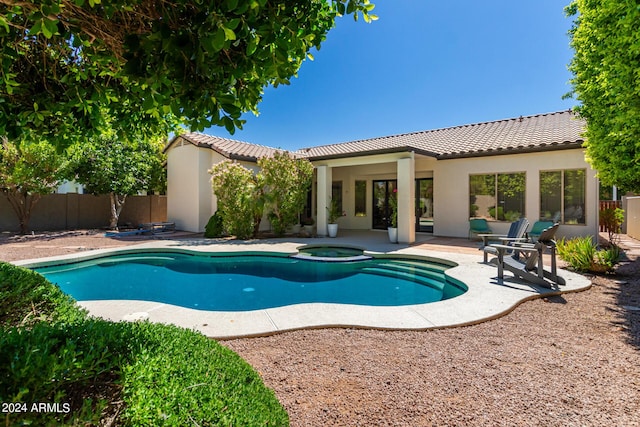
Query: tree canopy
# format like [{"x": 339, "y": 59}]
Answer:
[
  {"x": 606, "y": 80},
  {"x": 117, "y": 167},
  {"x": 149, "y": 64},
  {"x": 28, "y": 171}
]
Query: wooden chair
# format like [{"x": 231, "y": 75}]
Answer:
[{"x": 531, "y": 268}]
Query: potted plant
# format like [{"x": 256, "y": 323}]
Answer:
[
  {"x": 333, "y": 215},
  {"x": 393, "y": 223}
]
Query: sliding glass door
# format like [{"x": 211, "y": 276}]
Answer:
[
  {"x": 382, "y": 190},
  {"x": 424, "y": 205}
]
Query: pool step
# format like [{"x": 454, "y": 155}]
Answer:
[
  {"x": 413, "y": 277},
  {"x": 419, "y": 264},
  {"x": 417, "y": 269}
]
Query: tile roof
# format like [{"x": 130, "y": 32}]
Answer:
[
  {"x": 229, "y": 148},
  {"x": 542, "y": 132}
]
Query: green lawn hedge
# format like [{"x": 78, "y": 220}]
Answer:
[{"x": 141, "y": 374}]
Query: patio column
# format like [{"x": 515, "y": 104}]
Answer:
[
  {"x": 324, "y": 174},
  {"x": 406, "y": 200}
]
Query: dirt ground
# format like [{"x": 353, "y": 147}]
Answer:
[{"x": 571, "y": 360}]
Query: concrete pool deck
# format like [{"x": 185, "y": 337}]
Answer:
[{"x": 486, "y": 299}]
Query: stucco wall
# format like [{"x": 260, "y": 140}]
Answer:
[
  {"x": 633, "y": 217},
  {"x": 183, "y": 203},
  {"x": 191, "y": 201},
  {"x": 451, "y": 189}
]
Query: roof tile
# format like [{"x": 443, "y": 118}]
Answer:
[{"x": 531, "y": 133}]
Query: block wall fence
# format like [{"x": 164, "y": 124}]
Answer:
[{"x": 83, "y": 211}]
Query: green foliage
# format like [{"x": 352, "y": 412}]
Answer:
[
  {"x": 27, "y": 298},
  {"x": 237, "y": 191},
  {"x": 162, "y": 374},
  {"x": 118, "y": 167},
  {"x": 27, "y": 171},
  {"x": 583, "y": 255},
  {"x": 393, "y": 203},
  {"x": 179, "y": 377},
  {"x": 286, "y": 183},
  {"x": 612, "y": 220},
  {"x": 280, "y": 187},
  {"x": 606, "y": 40},
  {"x": 333, "y": 213},
  {"x": 214, "y": 226},
  {"x": 72, "y": 69}
]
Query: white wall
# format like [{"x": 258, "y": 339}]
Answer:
[
  {"x": 191, "y": 201},
  {"x": 451, "y": 189},
  {"x": 183, "y": 186},
  {"x": 190, "y": 198}
]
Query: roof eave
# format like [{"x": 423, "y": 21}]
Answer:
[
  {"x": 405, "y": 149},
  {"x": 567, "y": 145}
]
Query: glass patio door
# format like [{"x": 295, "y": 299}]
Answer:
[
  {"x": 382, "y": 190},
  {"x": 424, "y": 205}
]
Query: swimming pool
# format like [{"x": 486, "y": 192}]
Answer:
[{"x": 247, "y": 281}]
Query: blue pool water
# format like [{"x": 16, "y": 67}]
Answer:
[{"x": 251, "y": 282}]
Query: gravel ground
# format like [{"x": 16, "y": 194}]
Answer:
[{"x": 572, "y": 360}]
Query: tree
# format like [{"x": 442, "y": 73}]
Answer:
[
  {"x": 27, "y": 171},
  {"x": 68, "y": 64},
  {"x": 287, "y": 181},
  {"x": 606, "y": 40},
  {"x": 117, "y": 167}
]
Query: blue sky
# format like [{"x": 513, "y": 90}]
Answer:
[{"x": 424, "y": 64}]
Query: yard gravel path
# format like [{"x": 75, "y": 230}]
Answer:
[{"x": 571, "y": 360}]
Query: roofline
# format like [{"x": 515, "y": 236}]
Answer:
[
  {"x": 391, "y": 150},
  {"x": 426, "y": 131},
  {"x": 566, "y": 145},
  {"x": 230, "y": 156}
]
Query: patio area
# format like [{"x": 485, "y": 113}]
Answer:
[{"x": 485, "y": 299}]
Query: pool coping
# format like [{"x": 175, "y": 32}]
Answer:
[{"x": 486, "y": 299}]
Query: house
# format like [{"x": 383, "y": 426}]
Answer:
[{"x": 531, "y": 166}]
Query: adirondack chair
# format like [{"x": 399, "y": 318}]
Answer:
[
  {"x": 537, "y": 228},
  {"x": 478, "y": 226},
  {"x": 515, "y": 234},
  {"x": 531, "y": 268}
]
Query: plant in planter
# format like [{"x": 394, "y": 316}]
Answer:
[
  {"x": 333, "y": 215},
  {"x": 393, "y": 227}
]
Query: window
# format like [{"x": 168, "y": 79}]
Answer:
[
  {"x": 361, "y": 198},
  {"x": 498, "y": 196},
  {"x": 562, "y": 196},
  {"x": 336, "y": 193}
]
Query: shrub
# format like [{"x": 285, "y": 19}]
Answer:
[
  {"x": 214, "y": 227},
  {"x": 611, "y": 219},
  {"x": 583, "y": 255},
  {"x": 73, "y": 365},
  {"x": 237, "y": 192},
  {"x": 26, "y": 298},
  {"x": 160, "y": 374},
  {"x": 286, "y": 183}
]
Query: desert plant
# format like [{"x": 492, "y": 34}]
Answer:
[
  {"x": 333, "y": 213},
  {"x": 583, "y": 255},
  {"x": 393, "y": 203}
]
